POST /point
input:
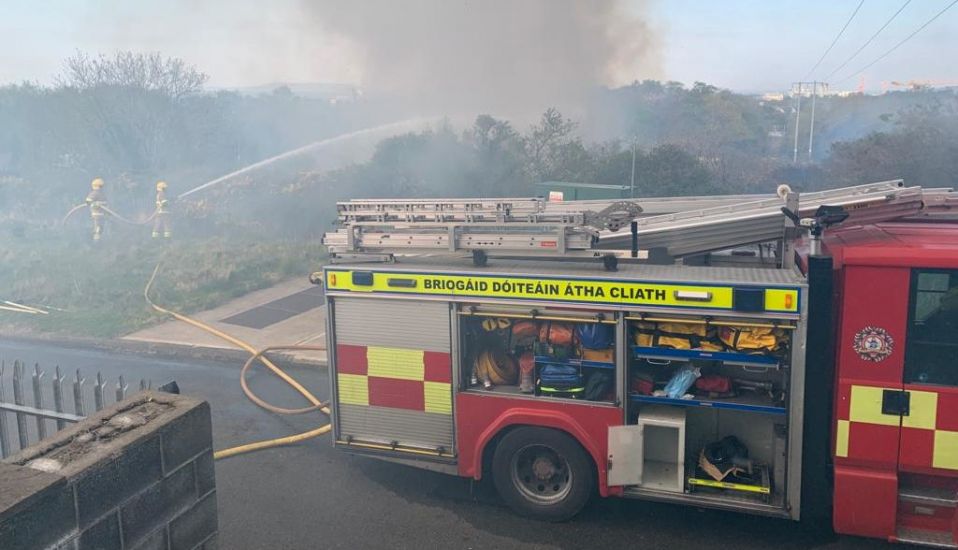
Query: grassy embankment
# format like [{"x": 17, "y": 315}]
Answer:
[{"x": 99, "y": 288}]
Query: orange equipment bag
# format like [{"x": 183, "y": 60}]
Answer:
[
  {"x": 525, "y": 329},
  {"x": 557, "y": 334}
]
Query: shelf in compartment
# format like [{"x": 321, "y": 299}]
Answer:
[
  {"x": 729, "y": 357},
  {"x": 546, "y": 360},
  {"x": 746, "y": 403}
]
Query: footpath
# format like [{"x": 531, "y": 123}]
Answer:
[{"x": 289, "y": 314}]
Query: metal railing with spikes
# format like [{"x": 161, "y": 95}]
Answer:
[{"x": 34, "y": 420}]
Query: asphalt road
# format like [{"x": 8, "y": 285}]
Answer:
[{"x": 311, "y": 496}]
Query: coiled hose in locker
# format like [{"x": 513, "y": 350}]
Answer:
[{"x": 316, "y": 404}]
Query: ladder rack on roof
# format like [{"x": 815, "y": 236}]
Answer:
[
  {"x": 699, "y": 231},
  {"x": 476, "y": 211},
  {"x": 378, "y": 230}
]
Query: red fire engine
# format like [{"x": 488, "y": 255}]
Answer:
[{"x": 793, "y": 356}]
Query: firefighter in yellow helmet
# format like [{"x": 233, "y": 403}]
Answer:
[
  {"x": 161, "y": 216},
  {"x": 96, "y": 200}
]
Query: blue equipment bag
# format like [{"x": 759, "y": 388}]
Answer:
[
  {"x": 595, "y": 335},
  {"x": 561, "y": 381}
]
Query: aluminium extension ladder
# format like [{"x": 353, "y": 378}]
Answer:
[{"x": 659, "y": 229}]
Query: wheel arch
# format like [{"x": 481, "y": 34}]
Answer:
[{"x": 514, "y": 419}]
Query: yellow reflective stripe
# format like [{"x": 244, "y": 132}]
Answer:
[
  {"x": 865, "y": 406},
  {"x": 945, "y": 454},
  {"x": 353, "y": 389},
  {"x": 437, "y": 397},
  {"x": 561, "y": 290},
  {"x": 841, "y": 439},
  {"x": 404, "y": 364},
  {"x": 777, "y": 299},
  {"x": 922, "y": 410},
  {"x": 728, "y": 485}
]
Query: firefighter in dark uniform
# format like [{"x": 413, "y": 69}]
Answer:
[
  {"x": 96, "y": 200},
  {"x": 161, "y": 217}
]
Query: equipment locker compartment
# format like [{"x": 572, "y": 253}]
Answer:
[
  {"x": 738, "y": 378},
  {"x": 545, "y": 353},
  {"x": 392, "y": 374}
]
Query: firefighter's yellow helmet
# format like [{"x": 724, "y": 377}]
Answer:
[
  {"x": 97, "y": 183},
  {"x": 495, "y": 323},
  {"x": 160, "y": 185}
]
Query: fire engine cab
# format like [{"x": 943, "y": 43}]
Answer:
[{"x": 793, "y": 356}]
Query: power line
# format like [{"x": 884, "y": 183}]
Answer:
[
  {"x": 869, "y": 41},
  {"x": 895, "y": 47},
  {"x": 832, "y": 45}
]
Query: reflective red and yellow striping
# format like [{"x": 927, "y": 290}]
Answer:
[
  {"x": 399, "y": 378},
  {"x": 926, "y": 436}
]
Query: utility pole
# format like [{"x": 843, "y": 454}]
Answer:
[
  {"x": 632, "y": 185},
  {"x": 811, "y": 125},
  {"x": 798, "y": 111},
  {"x": 798, "y": 88}
]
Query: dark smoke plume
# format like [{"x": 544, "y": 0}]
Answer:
[{"x": 508, "y": 57}]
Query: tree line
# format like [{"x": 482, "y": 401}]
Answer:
[
  {"x": 136, "y": 118},
  {"x": 133, "y": 119}
]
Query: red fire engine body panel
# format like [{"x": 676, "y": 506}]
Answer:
[
  {"x": 878, "y": 450},
  {"x": 480, "y": 417}
]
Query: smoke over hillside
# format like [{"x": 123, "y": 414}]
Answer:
[{"x": 502, "y": 56}]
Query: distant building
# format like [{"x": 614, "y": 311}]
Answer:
[
  {"x": 845, "y": 93},
  {"x": 773, "y": 96}
]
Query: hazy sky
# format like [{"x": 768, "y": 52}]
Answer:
[{"x": 754, "y": 45}]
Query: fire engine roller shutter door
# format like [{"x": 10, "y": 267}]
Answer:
[{"x": 394, "y": 372}]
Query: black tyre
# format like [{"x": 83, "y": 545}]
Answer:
[{"x": 543, "y": 473}]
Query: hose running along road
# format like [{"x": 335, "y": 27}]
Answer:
[{"x": 316, "y": 404}]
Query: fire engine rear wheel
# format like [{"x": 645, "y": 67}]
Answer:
[{"x": 543, "y": 473}]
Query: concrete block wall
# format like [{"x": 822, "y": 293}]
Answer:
[{"x": 138, "y": 475}]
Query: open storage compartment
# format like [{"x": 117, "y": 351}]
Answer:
[
  {"x": 662, "y": 433},
  {"x": 728, "y": 380},
  {"x": 539, "y": 353}
]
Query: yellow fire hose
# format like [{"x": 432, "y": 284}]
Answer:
[
  {"x": 122, "y": 219},
  {"x": 256, "y": 355},
  {"x": 110, "y": 212},
  {"x": 70, "y": 213}
]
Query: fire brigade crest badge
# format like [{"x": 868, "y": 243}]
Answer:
[{"x": 873, "y": 344}]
